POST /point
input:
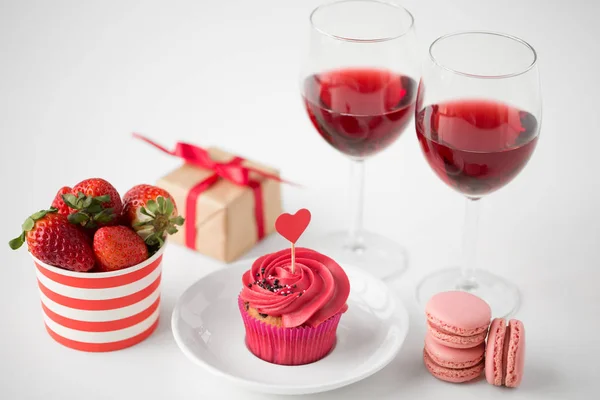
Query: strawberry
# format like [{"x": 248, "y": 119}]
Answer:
[
  {"x": 152, "y": 212},
  {"x": 59, "y": 202},
  {"x": 118, "y": 247},
  {"x": 53, "y": 240},
  {"x": 94, "y": 202}
]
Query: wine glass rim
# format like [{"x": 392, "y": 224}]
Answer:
[
  {"x": 481, "y": 76},
  {"x": 359, "y": 40}
]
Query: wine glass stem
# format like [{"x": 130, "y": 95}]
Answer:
[
  {"x": 468, "y": 281},
  {"x": 357, "y": 186}
]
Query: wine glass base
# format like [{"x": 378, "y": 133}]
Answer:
[
  {"x": 377, "y": 254},
  {"x": 502, "y": 296}
]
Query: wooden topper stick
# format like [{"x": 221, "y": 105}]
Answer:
[{"x": 293, "y": 258}]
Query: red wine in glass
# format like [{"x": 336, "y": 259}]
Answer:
[
  {"x": 359, "y": 111},
  {"x": 476, "y": 146}
]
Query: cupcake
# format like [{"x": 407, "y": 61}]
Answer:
[{"x": 291, "y": 318}]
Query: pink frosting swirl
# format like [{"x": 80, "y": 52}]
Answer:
[{"x": 316, "y": 291}]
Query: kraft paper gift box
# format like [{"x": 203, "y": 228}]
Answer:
[{"x": 227, "y": 215}]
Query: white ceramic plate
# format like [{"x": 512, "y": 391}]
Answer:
[{"x": 208, "y": 329}]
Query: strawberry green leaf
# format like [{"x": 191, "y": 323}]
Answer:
[
  {"x": 70, "y": 200},
  {"x": 143, "y": 223},
  {"x": 94, "y": 209},
  {"x": 40, "y": 214},
  {"x": 146, "y": 213},
  {"x": 28, "y": 224},
  {"x": 90, "y": 209},
  {"x": 152, "y": 239},
  {"x": 17, "y": 242},
  {"x": 105, "y": 215},
  {"x": 178, "y": 220},
  {"x": 159, "y": 221},
  {"x": 152, "y": 206},
  {"x": 103, "y": 199},
  {"x": 161, "y": 204},
  {"x": 78, "y": 218},
  {"x": 169, "y": 208}
]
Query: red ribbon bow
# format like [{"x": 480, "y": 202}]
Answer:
[{"x": 232, "y": 171}]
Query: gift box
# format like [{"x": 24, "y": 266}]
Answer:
[{"x": 229, "y": 203}]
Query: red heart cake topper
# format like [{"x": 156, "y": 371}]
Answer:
[{"x": 292, "y": 226}]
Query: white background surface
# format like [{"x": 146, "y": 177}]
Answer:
[{"x": 77, "y": 77}]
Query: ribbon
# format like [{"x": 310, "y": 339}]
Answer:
[{"x": 233, "y": 171}]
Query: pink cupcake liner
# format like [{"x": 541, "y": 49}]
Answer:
[{"x": 289, "y": 346}]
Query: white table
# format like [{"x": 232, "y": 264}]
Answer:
[{"x": 77, "y": 77}]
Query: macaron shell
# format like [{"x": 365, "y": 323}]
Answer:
[
  {"x": 494, "y": 352},
  {"x": 515, "y": 359},
  {"x": 455, "y": 341},
  {"x": 449, "y": 357},
  {"x": 459, "y": 313},
  {"x": 451, "y": 375}
]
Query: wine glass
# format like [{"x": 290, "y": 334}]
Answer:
[
  {"x": 477, "y": 119},
  {"x": 359, "y": 84}
]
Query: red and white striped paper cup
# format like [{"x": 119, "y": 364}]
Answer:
[{"x": 101, "y": 311}]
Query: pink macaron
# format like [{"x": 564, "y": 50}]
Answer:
[
  {"x": 458, "y": 319},
  {"x": 449, "y": 357},
  {"x": 453, "y": 365},
  {"x": 505, "y": 353}
]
